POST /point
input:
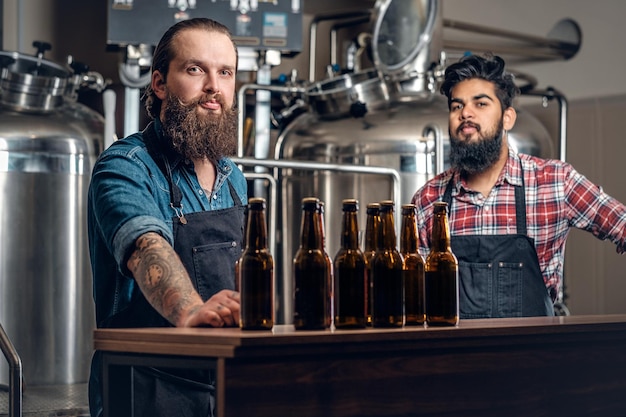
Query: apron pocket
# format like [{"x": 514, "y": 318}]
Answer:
[
  {"x": 475, "y": 290},
  {"x": 214, "y": 267},
  {"x": 510, "y": 292}
]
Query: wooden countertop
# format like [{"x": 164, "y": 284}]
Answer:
[
  {"x": 543, "y": 366},
  {"x": 225, "y": 341}
]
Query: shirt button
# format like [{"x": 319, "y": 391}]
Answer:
[{"x": 214, "y": 196}]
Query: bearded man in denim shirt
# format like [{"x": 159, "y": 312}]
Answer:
[{"x": 166, "y": 214}]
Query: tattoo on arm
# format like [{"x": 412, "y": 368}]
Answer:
[{"x": 161, "y": 276}]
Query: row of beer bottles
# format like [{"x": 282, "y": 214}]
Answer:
[
  {"x": 405, "y": 288},
  {"x": 378, "y": 286}
]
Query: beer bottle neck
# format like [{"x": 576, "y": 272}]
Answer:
[
  {"x": 408, "y": 237},
  {"x": 310, "y": 236},
  {"x": 387, "y": 231},
  {"x": 256, "y": 234},
  {"x": 372, "y": 225},
  {"x": 350, "y": 231},
  {"x": 440, "y": 239}
]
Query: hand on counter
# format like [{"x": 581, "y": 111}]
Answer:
[{"x": 221, "y": 310}]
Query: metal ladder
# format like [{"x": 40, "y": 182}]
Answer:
[{"x": 15, "y": 374}]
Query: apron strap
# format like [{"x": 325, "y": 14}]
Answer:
[
  {"x": 520, "y": 207},
  {"x": 151, "y": 140},
  {"x": 520, "y": 203}
]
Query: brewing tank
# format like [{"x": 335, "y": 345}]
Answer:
[
  {"x": 401, "y": 136},
  {"x": 390, "y": 116},
  {"x": 48, "y": 145}
]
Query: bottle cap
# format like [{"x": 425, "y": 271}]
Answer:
[
  {"x": 350, "y": 204},
  {"x": 408, "y": 208},
  {"x": 256, "y": 203},
  {"x": 310, "y": 203},
  {"x": 386, "y": 205}
]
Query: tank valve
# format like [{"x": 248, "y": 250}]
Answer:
[{"x": 358, "y": 109}]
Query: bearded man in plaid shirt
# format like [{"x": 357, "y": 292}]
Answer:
[{"x": 509, "y": 213}]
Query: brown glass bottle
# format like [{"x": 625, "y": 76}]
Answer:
[
  {"x": 243, "y": 247},
  {"x": 256, "y": 267},
  {"x": 310, "y": 272},
  {"x": 412, "y": 269},
  {"x": 387, "y": 308},
  {"x": 349, "y": 273},
  {"x": 369, "y": 250},
  {"x": 329, "y": 266},
  {"x": 441, "y": 282}
]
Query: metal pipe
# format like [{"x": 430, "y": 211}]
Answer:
[
  {"x": 272, "y": 201},
  {"x": 241, "y": 97},
  {"x": 553, "y": 94},
  {"x": 15, "y": 374},
  {"x": 321, "y": 166},
  {"x": 334, "y": 56},
  {"x": 553, "y": 48},
  {"x": 313, "y": 34},
  {"x": 435, "y": 130}
]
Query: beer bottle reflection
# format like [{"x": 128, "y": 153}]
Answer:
[
  {"x": 349, "y": 273},
  {"x": 442, "y": 273},
  {"x": 310, "y": 272},
  {"x": 412, "y": 269},
  {"x": 256, "y": 267},
  {"x": 369, "y": 250},
  {"x": 387, "y": 308}
]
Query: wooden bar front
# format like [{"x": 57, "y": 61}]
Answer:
[{"x": 548, "y": 366}]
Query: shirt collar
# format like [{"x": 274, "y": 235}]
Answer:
[{"x": 513, "y": 171}]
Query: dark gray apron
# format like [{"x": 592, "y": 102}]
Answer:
[
  {"x": 499, "y": 275},
  {"x": 208, "y": 244}
]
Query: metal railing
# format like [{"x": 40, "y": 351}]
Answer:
[
  {"x": 309, "y": 166},
  {"x": 15, "y": 374}
]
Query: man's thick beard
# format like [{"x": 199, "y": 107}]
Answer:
[
  {"x": 475, "y": 157},
  {"x": 197, "y": 136}
]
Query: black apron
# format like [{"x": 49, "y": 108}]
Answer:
[
  {"x": 499, "y": 275},
  {"x": 208, "y": 244}
]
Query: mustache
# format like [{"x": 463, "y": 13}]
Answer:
[
  {"x": 202, "y": 99},
  {"x": 467, "y": 124}
]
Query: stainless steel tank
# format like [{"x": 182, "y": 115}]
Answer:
[
  {"x": 48, "y": 145},
  {"x": 392, "y": 116}
]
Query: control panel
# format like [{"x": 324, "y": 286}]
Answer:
[{"x": 255, "y": 24}]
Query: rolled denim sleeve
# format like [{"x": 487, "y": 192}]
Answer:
[
  {"x": 126, "y": 199},
  {"x": 125, "y": 238}
]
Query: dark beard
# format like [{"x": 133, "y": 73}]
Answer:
[
  {"x": 198, "y": 136},
  {"x": 474, "y": 157}
]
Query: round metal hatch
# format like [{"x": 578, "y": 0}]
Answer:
[
  {"x": 28, "y": 83},
  {"x": 403, "y": 29}
]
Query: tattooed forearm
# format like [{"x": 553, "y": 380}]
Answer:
[{"x": 160, "y": 274}]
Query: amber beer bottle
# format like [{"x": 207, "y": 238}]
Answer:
[
  {"x": 369, "y": 250},
  {"x": 256, "y": 269},
  {"x": 349, "y": 273},
  {"x": 329, "y": 266},
  {"x": 442, "y": 273},
  {"x": 310, "y": 272},
  {"x": 387, "y": 308},
  {"x": 412, "y": 268}
]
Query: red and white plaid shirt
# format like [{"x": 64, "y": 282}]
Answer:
[{"x": 557, "y": 198}]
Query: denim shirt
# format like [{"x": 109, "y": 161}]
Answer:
[{"x": 128, "y": 197}]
